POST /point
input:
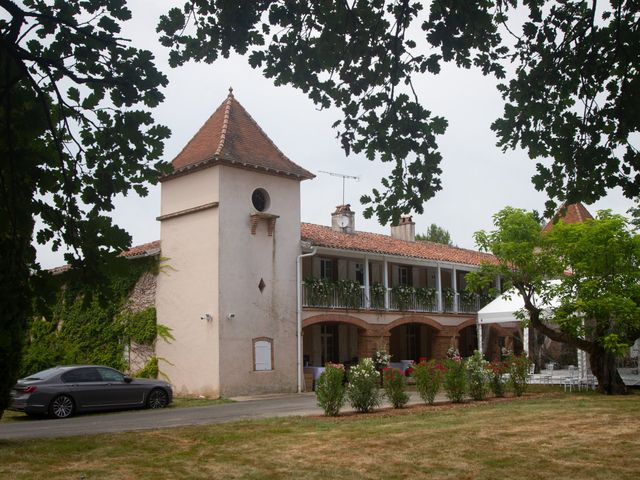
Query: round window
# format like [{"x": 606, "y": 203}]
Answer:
[{"x": 260, "y": 199}]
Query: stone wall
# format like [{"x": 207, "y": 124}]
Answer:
[{"x": 142, "y": 296}]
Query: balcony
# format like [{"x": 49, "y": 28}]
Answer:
[{"x": 349, "y": 295}]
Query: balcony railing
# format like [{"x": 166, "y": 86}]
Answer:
[{"x": 350, "y": 296}]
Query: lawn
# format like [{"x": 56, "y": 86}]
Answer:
[{"x": 537, "y": 437}]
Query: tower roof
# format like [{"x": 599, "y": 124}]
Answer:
[
  {"x": 231, "y": 136},
  {"x": 572, "y": 213}
]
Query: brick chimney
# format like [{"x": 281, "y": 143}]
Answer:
[
  {"x": 343, "y": 219},
  {"x": 405, "y": 230}
]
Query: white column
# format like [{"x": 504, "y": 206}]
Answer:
[
  {"x": 498, "y": 282},
  {"x": 385, "y": 283},
  {"x": 454, "y": 282},
  {"x": 367, "y": 297},
  {"x": 525, "y": 340},
  {"x": 479, "y": 331},
  {"x": 439, "y": 290}
]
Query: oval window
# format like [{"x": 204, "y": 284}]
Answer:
[{"x": 260, "y": 199}]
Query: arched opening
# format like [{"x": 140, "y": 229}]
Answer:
[
  {"x": 411, "y": 341},
  {"x": 330, "y": 341},
  {"x": 468, "y": 340}
]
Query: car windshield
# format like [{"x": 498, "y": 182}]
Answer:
[{"x": 42, "y": 374}]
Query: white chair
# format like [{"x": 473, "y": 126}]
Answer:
[
  {"x": 547, "y": 377},
  {"x": 572, "y": 380}
]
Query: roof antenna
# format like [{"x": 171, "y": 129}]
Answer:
[{"x": 343, "y": 176}]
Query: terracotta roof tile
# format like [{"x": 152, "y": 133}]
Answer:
[
  {"x": 573, "y": 213},
  {"x": 146, "y": 249},
  {"x": 321, "y": 236},
  {"x": 233, "y": 137}
]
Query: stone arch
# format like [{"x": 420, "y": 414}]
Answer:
[
  {"x": 336, "y": 317},
  {"x": 345, "y": 339},
  {"x": 416, "y": 341},
  {"x": 465, "y": 324},
  {"x": 413, "y": 319}
]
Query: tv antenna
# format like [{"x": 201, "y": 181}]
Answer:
[{"x": 343, "y": 176}]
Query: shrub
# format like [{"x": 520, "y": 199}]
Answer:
[
  {"x": 381, "y": 360},
  {"x": 362, "y": 390},
  {"x": 477, "y": 376},
  {"x": 395, "y": 386},
  {"x": 428, "y": 377},
  {"x": 455, "y": 379},
  {"x": 497, "y": 381},
  {"x": 518, "y": 373},
  {"x": 330, "y": 389}
]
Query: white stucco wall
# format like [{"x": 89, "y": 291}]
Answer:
[
  {"x": 188, "y": 284},
  {"x": 244, "y": 260}
]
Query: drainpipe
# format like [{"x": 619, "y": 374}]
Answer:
[{"x": 299, "y": 311}]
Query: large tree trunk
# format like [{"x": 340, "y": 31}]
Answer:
[
  {"x": 603, "y": 366},
  {"x": 18, "y": 160}
]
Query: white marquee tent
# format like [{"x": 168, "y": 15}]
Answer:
[{"x": 502, "y": 311}]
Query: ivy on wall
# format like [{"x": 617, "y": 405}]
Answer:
[{"x": 81, "y": 326}]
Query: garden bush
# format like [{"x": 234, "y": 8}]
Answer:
[
  {"x": 497, "y": 381},
  {"x": 428, "y": 377},
  {"x": 518, "y": 373},
  {"x": 395, "y": 387},
  {"x": 477, "y": 376},
  {"x": 330, "y": 389},
  {"x": 362, "y": 390},
  {"x": 455, "y": 379}
]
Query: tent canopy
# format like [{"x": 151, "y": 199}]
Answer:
[{"x": 502, "y": 309}]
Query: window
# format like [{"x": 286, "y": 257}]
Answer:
[
  {"x": 329, "y": 343},
  {"x": 404, "y": 276},
  {"x": 413, "y": 341},
  {"x": 326, "y": 269},
  {"x": 82, "y": 375},
  {"x": 260, "y": 199},
  {"x": 262, "y": 354},
  {"x": 360, "y": 273},
  {"x": 109, "y": 375}
]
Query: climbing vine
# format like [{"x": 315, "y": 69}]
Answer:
[{"x": 84, "y": 326}]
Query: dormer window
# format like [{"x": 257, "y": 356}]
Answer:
[{"x": 260, "y": 199}]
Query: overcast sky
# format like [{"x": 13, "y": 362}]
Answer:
[{"x": 478, "y": 179}]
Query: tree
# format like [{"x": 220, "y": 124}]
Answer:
[
  {"x": 569, "y": 73},
  {"x": 586, "y": 274},
  {"x": 75, "y": 130},
  {"x": 436, "y": 234}
]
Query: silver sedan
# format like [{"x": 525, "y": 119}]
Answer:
[{"x": 64, "y": 390}]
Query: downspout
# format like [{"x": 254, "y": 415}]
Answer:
[{"x": 299, "y": 311}]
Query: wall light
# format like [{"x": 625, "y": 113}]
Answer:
[
  {"x": 231, "y": 316},
  {"x": 206, "y": 317}
]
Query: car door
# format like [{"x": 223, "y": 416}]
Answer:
[
  {"x": 117, "y": 391},
  {"x": 85, "y": 386}
]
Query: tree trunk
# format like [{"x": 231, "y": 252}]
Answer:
[{"x": 603, "y": 366}]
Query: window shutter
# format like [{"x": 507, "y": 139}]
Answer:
[{"x": 263, "y": 355}]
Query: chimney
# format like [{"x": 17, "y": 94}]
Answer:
[
  {"x": 405, "y": 230},
  {"x": 343, "y": 219}
]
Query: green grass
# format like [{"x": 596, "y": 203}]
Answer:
[{"x": 541, "y": 436}]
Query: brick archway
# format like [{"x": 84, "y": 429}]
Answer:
[
  {"x": 320, "y": 347},
  {"x": 413, "y": 319},
  {"x": 465, "y": 324},
  {"x": 336, "y": 317}
]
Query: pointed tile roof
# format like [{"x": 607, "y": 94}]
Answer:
[
  {"x": 231, "y": 136},
  {"x": 572, "y": 213}
]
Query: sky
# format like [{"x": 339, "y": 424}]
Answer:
[{"x": 478, "y": 179}]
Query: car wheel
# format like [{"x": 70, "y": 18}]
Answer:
[
  {"x": 61, "y": 407},
  {"x": 158, "y": 398}
]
